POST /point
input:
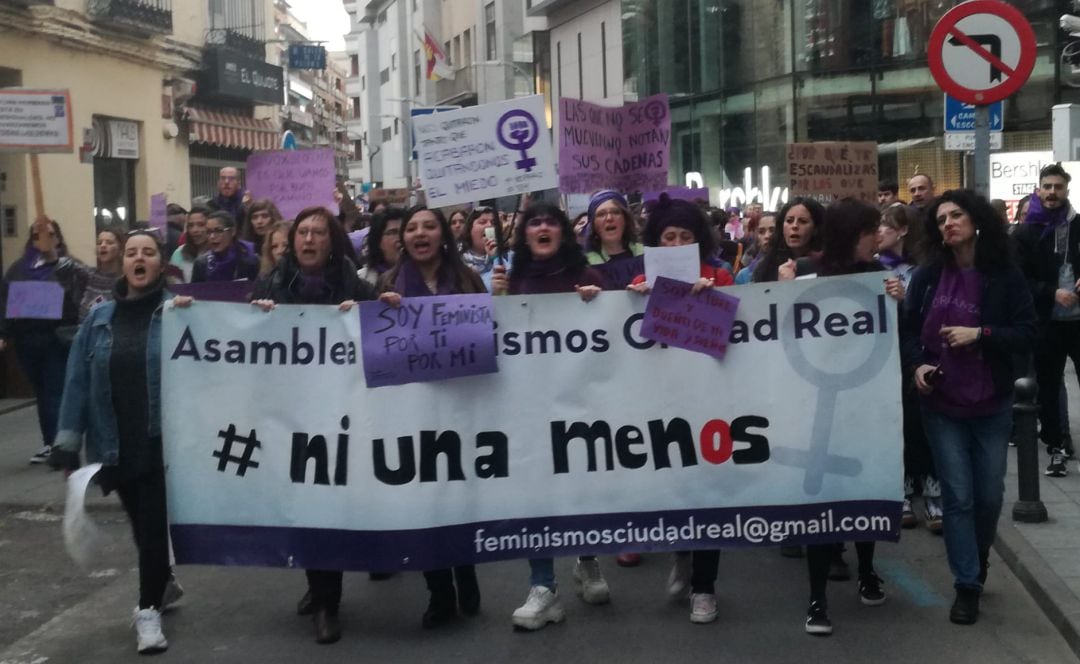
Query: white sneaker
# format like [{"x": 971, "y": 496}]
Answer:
[
  {"x": 42, "y": 456},
  {"x": 594, "y": 589},
  {"x": 148, "y": 627},
  {"x": 540, "y": 608},
  {"x": 173, "y": 592},
  {"x": 679, "y": 579},
  {"x": 702, "y": 608},
  {"x": 935, "y": 515}
]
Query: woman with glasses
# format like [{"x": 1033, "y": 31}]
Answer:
[
  {"x": 228, "y": 258},
  {"x": 547, "y": 259},
  {"x": 611, "y": 239}
]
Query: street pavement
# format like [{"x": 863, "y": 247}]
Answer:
[{"x": 53, "y": 612}]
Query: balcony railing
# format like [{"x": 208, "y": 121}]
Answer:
[
  {"x": 456, "y": 90},
  {"x": 147, "y": 17},
  {"x": 235, "y": 40}
]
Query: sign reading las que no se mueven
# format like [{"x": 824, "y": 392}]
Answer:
[{"x": 321, "y": 471}]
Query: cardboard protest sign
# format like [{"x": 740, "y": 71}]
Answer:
[
  {"x": 830, "y": 171},
  {"x": 625, "y": 148},
  {"x": 699, "y": 322},
  {"x": 485, "y": 151},
  {"x": 293, "y": 179},
  {"x": 35, "y": 299},
  {"x": 427, "y": 338}
]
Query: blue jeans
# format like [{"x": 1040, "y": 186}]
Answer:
[
  {"x": 43, "y": 359},
  {"x": 542, "y": 571},
  {"x": 970, "y": 455}
]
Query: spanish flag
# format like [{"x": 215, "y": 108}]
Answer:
[{"x": 437, "y": 66}]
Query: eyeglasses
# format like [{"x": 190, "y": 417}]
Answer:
[
  {"x": 609, "y": 213},
  {"x": 312, "y": 232},
  {"x": 537, "y": 222},
  {"x": 217, "y": 231}
]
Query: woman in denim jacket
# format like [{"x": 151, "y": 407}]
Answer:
[{"x": 113, "y": 395}]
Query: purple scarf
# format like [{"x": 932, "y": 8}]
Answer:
[
  {"x": 221, "y": 267},
  {"x": 313, "y": 287},
  {"x": 1048, "y": 219},
  {"x": 891, "y": 259},
  {"x": 410, "y": 283}
]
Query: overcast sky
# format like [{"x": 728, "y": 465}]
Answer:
[{"x": 326, "y": 21}]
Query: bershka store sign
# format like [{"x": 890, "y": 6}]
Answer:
[{"x": 232, "y": 76}]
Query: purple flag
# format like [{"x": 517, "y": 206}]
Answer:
[
  {"x": 159, "y": 214},
  {"x": 625, "y": 148},
  {"x": 293, "y": 179},
  {"x": 217, "y": 291},
  {"x": 699, "y": 322},
  {"x": 427, "y": 338},
  {"x": 35, "y": 299}
]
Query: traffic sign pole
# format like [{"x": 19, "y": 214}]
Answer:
[{"x": 982, "y": 150}]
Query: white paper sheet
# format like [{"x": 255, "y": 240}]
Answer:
[
  {"x": 680, "y": 263},
  {"x": 82, "y": 537}
]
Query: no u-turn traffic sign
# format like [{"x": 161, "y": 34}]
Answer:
[{"x": 981, "y": 51}]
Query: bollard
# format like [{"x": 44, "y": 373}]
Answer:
[{"x": 1028, "y": 508}]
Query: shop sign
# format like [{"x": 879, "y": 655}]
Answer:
[
  {"x": 228, "y": 75},
  {"x": 770, "y": 197}
]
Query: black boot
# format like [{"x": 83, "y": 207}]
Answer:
[
  {"x": 305, "y": 607},
  {"x": 442, "y": 608},
  {"x": 327, "y": 626},
  {"x": 965, "y": 610},
  {"x": 984, "y": 565},
  {"x": 468, "y": 591}
]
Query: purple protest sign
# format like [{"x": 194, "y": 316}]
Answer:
[
  {"x": 692, "y": 194},
  {"x": 699, "y": 322},
  {"x": 427, "y": 338},
  {"x": 159, "y": 213},
  {"x": 217, "y": 291},
  {"x": 293, "y": 179},
  {"x": 35, "y": 299},
  {"x": 624, "y": 148}
]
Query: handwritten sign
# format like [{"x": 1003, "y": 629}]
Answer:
[
  {"x": 427, "y": 338},
  {"x": 699, "y": 322},
  {"x": 217, "y": 291},
  {"x": 624, "y": 148},
  {"x": 159, "y": 214},
  {"x": 831, "y": 171},
  {"x": 293, "y": 179},
  {"x": 35, "y": 299},
  {"x": 679, "y": 263},
  {"x": 484, "y": 151},
  {"x": 692, "y": 194}
]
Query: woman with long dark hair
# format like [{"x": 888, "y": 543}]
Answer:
[
  {"x": 382, "y": 245},
  {"x": 799, "y": 236},
  {"x": 548, "y": 259},
  {"x": 97, "y": 282},
  {"x": 968, "y": 312},
  {"x": 196, "y": 242},
  {"x": 316, "y": 269},
  {"x": 261, "y": 217}
]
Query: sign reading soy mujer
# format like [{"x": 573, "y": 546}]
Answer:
[
  {"x": 624, "y": 148},
  {"x": 589, "y": 439}
]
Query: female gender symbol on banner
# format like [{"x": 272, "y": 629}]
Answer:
[
  {"x": 655, "y": 111},
  {"x": 817, "y": 461},
  {"x": 522, "y": 135}
]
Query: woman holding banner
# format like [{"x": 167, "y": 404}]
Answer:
[
  {"x": 316, "y": 269},
  {"x": 611, "y": 240},
  {"x": 113, "y": 395},
  {"x": 799, "y": 235},
  {"x": 548, "y": 259},
  {"x": 968, "y": 313},
  {"x": 430, "y": 265},
  {"x": 849, "y": 242},
  {"x": 228, "y": 258},
  {"x": 41, "y": 348}
]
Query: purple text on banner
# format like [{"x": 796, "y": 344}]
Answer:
[
  {"x": 427, "y": 338},
  {"x": 159, "y": 213},
  {"x": 217, "y": 291},
  {"x": 618, "y": 274},
  {"x": 35, "y": 299},
  {"x": 692, "y": 194},
  {"x": 625, "y": 148},
  {"x": 293, "y": 179},
  {"x": 699, "y": 322}
]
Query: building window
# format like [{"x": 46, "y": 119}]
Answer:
[
  {"x": 358, "y": 150},
  {"x": 416, "y": 73},
  {"x": 363, "y": 82},
  {"x": 489, "y": 31},
  {"x": 393, "y": 61},
  {"x": 387, "y": 134},
  {"x": 457, "y": 49},
  {"x": 395, "y": 126},
  {"x": 466, "y": 48},
  {"x": 355, "y": 108},
  {"x": 448, "y": 53},
  {"x": 580, "y": 70},
  {"x": 603, "y": 54},
  {"x": 354, "y": 65},
  {"x": 558, "y": 67},
  {"x": 384, "y": 76}
]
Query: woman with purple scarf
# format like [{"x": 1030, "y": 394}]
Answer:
[
  {"x": 430, "y": 264},
  {"x": 317, "y": 268},
  {"x": 228, "y": 259},
  {"x": 41, "y": 348},
  {"x": 967, "y": 313}
]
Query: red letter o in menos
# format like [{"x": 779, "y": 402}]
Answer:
[{"x": 715, "y": 441}]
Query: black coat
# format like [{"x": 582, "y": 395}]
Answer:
[
  {"x": 282, "y": 284},
  {"x": 1007, "y": 320},
  {"x": 68, "y": 275},
  {"x": 1041, "y": 265}
]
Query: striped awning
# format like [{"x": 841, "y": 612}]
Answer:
[{"x": 231, "y": 130}]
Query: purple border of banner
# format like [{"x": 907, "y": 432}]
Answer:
[{"x": 433, "y": 548}]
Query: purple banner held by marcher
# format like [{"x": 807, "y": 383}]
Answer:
[
  {"x": 35, "y": 299},
  {"x": 699, "y": 322},
  {"x": 427, "y": 338},
  {"x": 217, "y": 291},
  {"x": 625, "y": 148},
  {"x": 691, "y": 194},
  {"x": 293, "y": 179},
  {"x": 159, "y": 213}
]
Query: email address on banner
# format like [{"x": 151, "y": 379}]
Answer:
[{"x": 754, "y": 530}]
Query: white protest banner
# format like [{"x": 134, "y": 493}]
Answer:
[
  {"x": 485, "y": 151},
  {"x": 293, "y": 179},
  {"x": 35, "y": 120},
  {"x": 589, "y": 439},
  {"x": 681, "y": 263}
]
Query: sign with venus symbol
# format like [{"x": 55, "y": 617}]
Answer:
[{"x": 981, "y": 51}]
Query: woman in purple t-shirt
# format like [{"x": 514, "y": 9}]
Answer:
[{"x": 967, "y": 313}]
